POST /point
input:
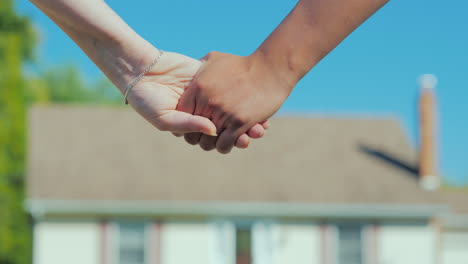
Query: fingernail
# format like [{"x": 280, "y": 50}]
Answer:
[{"x": 212, "y": 133}]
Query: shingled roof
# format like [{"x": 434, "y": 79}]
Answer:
[
  {"x": 458, "y": 199},
  {"x": 112, "y": 154}
]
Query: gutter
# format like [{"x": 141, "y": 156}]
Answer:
[
  {"x": 455, "y": 221},
  {"x": 43, "y": 208}
]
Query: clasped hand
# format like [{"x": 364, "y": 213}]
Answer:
[{"x": 218, "y": 102}]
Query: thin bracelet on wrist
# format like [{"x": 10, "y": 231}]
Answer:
[{"x": 138, "y": 78}]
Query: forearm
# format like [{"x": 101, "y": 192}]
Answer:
[
  {"x": 311, "y": 31},
  {"x": 107, "y": 40}
]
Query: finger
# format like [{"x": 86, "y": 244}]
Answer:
[
  {"x": 265, "y": 124},
  {"x": 243, "y": 141},
  {"x": 180, "y": 122},
  {"x": 257, "y": 131},
  {"x": 226, "y": 141},
  {"x": 192, "y": 138},
  {"x": 186, "y": 104},
  {"x": 219, "y": 119},
  {"x": 200, "y": 107},
  {"x": 208, "y": 142},
  {"x": 187, "y": 100}
]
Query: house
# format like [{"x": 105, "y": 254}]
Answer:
[{"x": 105, "y": 187}]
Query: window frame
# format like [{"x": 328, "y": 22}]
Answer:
[
  {"x": 363, "y": 239},
  {"x": 115, "y": 239}
]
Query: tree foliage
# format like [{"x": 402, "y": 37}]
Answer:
[
  {"x": 65, "y": 84},
  {"x": 16, "y": 45},
  {"x": 17, "y": 91},
  {"x": 11, "y": 23}
]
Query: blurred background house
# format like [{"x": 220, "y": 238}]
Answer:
[{"x": 321, "y": 190}]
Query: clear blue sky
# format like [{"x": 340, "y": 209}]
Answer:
[{"x": 374, "y": 71}]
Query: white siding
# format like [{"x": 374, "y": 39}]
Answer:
[
  {"x": 185, "y": 243},
  {"x": 406, "y": 244},
  {"x": 265, "y": 242},
  {"x": 455, "y": 248},
  {"x": 222, "y": 242},
  {"x": 299, "y": 244},
  {"x": 63, "y": 242}
]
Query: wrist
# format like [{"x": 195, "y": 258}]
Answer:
[
  {"x": 123, "y": 61},
  {"x": 277, "y": 67},
  {"x": 109, "y": 42},
  {"x": 121, "y": 56}
]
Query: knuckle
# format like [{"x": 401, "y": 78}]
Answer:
[
  {"x": 213, "y": 54},
  {"x": 207, "y": 143},
  {"x": 215, "y": 104},
  {"x": 190, "y": 141},
  {"x": 191, "y": 138},
  {"x": 243, "y": 81},
  {"x": 225, "y": 146},
  {"x": 203, "y": 83},
  {"x": 239, "y": 120},
  {"x": 206, "y": 147}
]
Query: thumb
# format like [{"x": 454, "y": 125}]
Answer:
[{"x": 181, "y": 122}]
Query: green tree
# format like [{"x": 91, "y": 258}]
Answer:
[
  {"x": 57, "y": 85},
  {"x": 16, "y": 46},
  {"x": 65, "y": 84}
]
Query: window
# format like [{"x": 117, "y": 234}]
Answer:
[
  {"x": 131, "y": 243},
  {"x": 349, "y": 244},
  {"x": 243, "y": 245}
]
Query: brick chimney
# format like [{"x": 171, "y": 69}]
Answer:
[{"x": 428, "y": 176}]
